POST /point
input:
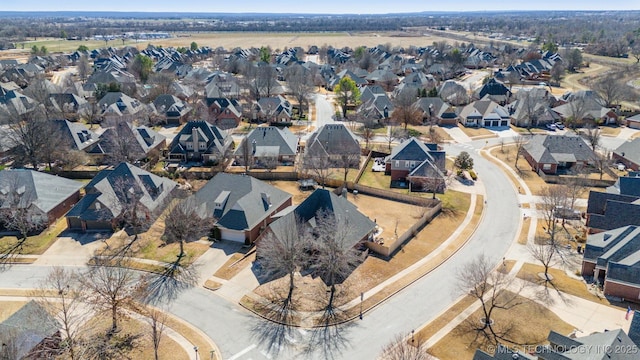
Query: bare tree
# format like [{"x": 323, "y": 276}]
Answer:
[
  {"x": 519, "y": 142},
  {"x": 394, "y": 133},
  {"x": 18, "y": 213},
  {"x": 282, "y": 252},
  {"x": 495, "y": 290},
  {"x": 405, "y": 111},
  {"x": 347, "y": 162},
  {"x": 111, "y": 288},
  {"x": 301, "y": 85},
  {"x": 592, "y": 136},
  {"x": 611, "y": 88},
  {"x": 320, "y": 167},
  {"x": 405, "y": 348},
  {"x": 557, "y": 72},
  {"x": 265, "y": 81},
  {"x": 184, "y": 223},
  {"x": 83, "y": 68},
  {"x": 335, "y": 255},
  {"x": 577, "y": 111},
  {"x": 554, "y": 200},
  {"x": 162, "y": 82},
  {"x": 545, "y": 255},
  {"x": 30, "y": 132},
  {"x": 120, "y": 144},
  {"x": 66, "y": 304},
  {"x": 156, "y": 320},
  {"x": 602, "y": 161}
]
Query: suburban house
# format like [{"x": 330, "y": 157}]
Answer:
[
  {"x": 376, "y": 106},
  {"x": 417, "y": 166},
  {"x": 495, "y": 91},
  {"x": 123, "y": 140},
  {"x": 173, "y": 109},
  {"x": 532, "y": 108},
  {"x": 274, "y": 109},
  {"x": 30, "y": 333},
  {"x": 584, "y": 348},
  {"x": 115, "y": 191},
  {"x": 613, "y": 259},
  {"x": 119, "y": 106},
  {"x": 484, "y": 113},
  {"x": 241, "y": 205},
  {"x": 563, "y": 347},
  {"x": 553, "y": 154},
  {"x": 74, "y": 136},
  {"x": 607, "y": 211},
  {"x": 434, "y": 110},
  {"x": 585, "y": 105},
  {"x": 633, "y": 122},
  {"x": 268, "y": 147},
  {"x": 626, "y": 185},
  {"x": 224, "y": 113},
  {"x": 70, "y": 105},
  {"x": 453, "y": 93},
  {"x": 200, "y": 141},
  {"x": 358, "y": 226},
  {"x": 628, "y": 154},
  {"x": 47, "y": 197},
  {"x": 332, "y": 142},
  {"x": 125, "y": 80}
]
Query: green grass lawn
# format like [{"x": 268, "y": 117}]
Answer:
[{"x": 374, "y": 179}]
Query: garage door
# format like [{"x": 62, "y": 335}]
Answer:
[
  {"x": 98, "y": 226},
  {"x": 74, "y": 223},
  {"x": 633, "y": 124},
  {"x": 232, "y": 235}
]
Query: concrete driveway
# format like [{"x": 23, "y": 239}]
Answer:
[{"x": 72, "y": 249}]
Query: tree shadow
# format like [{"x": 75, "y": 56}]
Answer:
[
  {"x": 164, "y": 287},
  {"x": 329, "y": 338},
  {"x": 11, "y": 254},
  {"x": 275, "y": 330}
]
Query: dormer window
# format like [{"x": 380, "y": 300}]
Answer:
[{"x": 221, "y": 200}]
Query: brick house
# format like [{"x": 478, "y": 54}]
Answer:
[{"x": 556, "y": 153}]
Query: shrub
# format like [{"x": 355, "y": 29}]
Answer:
[
  {"x": 473, "y": 175},
  {"x": 413, "y": 132}
]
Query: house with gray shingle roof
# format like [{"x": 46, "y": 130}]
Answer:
[
  {"x": 438, "y": 110},
  {"x": 629, "y": 154},
  {"x": 607, "y": 211},
  {"x": 124, "y": 140},
  {"x": 485, "y": 112},
  {"x": 119, "y": 106},
  {"x": 241, "y": 205},
  {"x": 321, "y": 202},
  {"x": 332, "y": 141},
  {"x": 30, "y": 333},
  {"x": 612, "y": 344},
  {"x": 495, "y": 90},
  {"x": 201, "y": 142},
  {"x": 171, "y": 108},
  {"x": 274, "y": 109},
  {"x": 225, "y": 113},
  {"x": 553, "y": 153},
  {"x": 416, "y": 165},
  {"x": 267, "y": 143},
  {"x": 75, "y": 136},
  {"x": 110, "y": 193},
  {"x": 46, "y": 196}
]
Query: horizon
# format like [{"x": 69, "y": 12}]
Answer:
[{"x": 328, "y": 7}]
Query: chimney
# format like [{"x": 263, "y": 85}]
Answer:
[{"x": 194, "y": 139}]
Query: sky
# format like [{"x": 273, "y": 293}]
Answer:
[{"x": 314, "y": 6}]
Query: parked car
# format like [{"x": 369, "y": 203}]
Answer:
[
  {"x": 551, "y": 127},
  {"x": 560, "y": 126}
]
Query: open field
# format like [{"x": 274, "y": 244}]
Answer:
[{"x": 230, "y": 40}]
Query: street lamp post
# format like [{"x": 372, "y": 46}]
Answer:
[
  {"x": 412, "y": 338},
  {"x": 211, "y": 353},
  {"x": 195, "y": 348}
]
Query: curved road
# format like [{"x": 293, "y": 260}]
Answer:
[{"x": 236, "y": 331}]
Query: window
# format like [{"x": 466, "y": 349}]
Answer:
[
  {"x": 397, "y": 163},
  {"x": 407, "y": 163},
  {"x": 202, "y": 146},
  {"x": 546, "y": 166},
  {"x": 189, "y": 146}
]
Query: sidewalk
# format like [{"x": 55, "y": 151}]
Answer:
[{"x": 168, "y": 331}]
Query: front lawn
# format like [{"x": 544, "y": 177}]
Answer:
[
  {"x": 530, "y": 321},
  {"x": 34, "y": 245}
]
